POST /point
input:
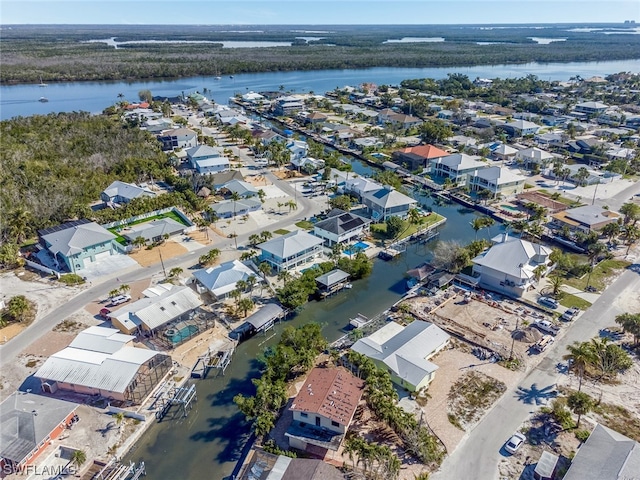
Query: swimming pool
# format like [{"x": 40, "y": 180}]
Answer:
[
  {"x": 357, "y": 247},
  {"x": 510, "y": 208},
  {"x": 183, "y": 334}
]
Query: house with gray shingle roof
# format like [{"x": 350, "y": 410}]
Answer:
[
  {"x": 74, "y": 245},
  {"x": 207, "y": 160},
  {"x": 291, "y": 250},
  {"x": 387, "y": 202},
  {"x": 154, "y": 231},
  {"x": 27, "y": 424}
]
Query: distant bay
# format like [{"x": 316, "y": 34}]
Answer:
[{"x": 23, "y": 100}]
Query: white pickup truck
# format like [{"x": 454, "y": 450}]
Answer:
[{"x": 545, "y": 326}]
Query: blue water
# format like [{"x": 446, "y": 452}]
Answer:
[{"x": 94, "y": 97}]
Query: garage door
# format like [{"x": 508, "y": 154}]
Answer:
[{"x": 103, "y": 255}]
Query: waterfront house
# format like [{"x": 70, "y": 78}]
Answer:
[
  {"x": 588, "y": 218},
  {"x": 261, "y": 465},
  {"x": 207, "y": 160},
  {"x": 222, "y": 279},
  {"x": 298, "y": 149},
  {"x": 266, "y": 136},
  {"x": 387, "y": 202},
  {"x": 405, "y": 352},
  {"x": 103, "y": 362},
  {"x": 359, "y": 186},
  {"x": 154, "y": 231},
  {"x": 533, "y": 155},
  {"x": 341, "y": 227},
  {"x": 120, "y": 192},
  {"x": 308, "y": 165},
  {"x": 418, "y": 157},
  {"x": 315, "y": 117},
  {"x": 28, "y": 425},
  {"x": 287, "y": 105},
  {"x": 605, "y": 454},
  {"x": 291, "y": 250},
  {"x": 458, "y": 167},
  {"x": 178, "y": 138},
  {"x": 257, "y": 322},
  {"x": 160, "y": 305},
  {"x": 75, "y": 245},
  {"x": 498, "y": 180},
  {"x": 510, "y": 265},
  {"x": 331, "y": 282},
  {"x": 323, "y": 408}
]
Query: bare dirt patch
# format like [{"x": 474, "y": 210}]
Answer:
[
  {"x": 150, "y": 257},
  {"x": 10, "y": 331},
  {"x": 200, "y": 236}
]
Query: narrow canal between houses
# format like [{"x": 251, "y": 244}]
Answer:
[{"x": 208, "y": 442}]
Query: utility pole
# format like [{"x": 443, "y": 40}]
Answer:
[
  {"x": 594, "y": 193},
  {"x": 162, "y": 263},
  {"x": 513, "y": 338}
]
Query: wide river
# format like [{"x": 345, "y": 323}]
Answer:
[
  {"x": 96, "y": 96},
  {"x": 208, "y": 442}
]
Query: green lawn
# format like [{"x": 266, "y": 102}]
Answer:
[
  {"x": 379, "y": 230},
  {"x": 601, "y": 273},
  {"x": 569, "y": 301},
  {"x": 281, "y": 231},
  {"x": 123, "y": 241},
  {"x": 566, "y": 201},
  {"x": 304, "y": 224}
]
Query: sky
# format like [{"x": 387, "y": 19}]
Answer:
[{"x": 316, "y": 12}]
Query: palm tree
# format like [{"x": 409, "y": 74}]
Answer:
[
  {"x": 114, "y": 293},
  {"x": 18, "y": 225},
  {"x": 78, "y": 457},
  {"x": 580, "y": 403},
  {"x": 632, "y": 234},
  {"x": 414, "y": 216},
  {"x": 245, "y": 305},
  {"x": 555, "y": 280},
  {"x": 261, "y": 195},
  {"x": 124, "y": 288},
  {"x": 236, "y": 295},
  {"x": 284, "y": 276},
  {"x": 175, "y": 272},
  {"x": 580, "y": 357},
  {"x": 265, "y": 269},
  {"x": 241, "y": 285},
  {"x": 488, "y": 222},
  {"x": 18, "y": 307},
  {"x": 235, "y": 196},
  {"x": 611, "y": 230},
  {"x": 139, "y": 242},
  {"x": 593, "y": 252},
  {"x": 266, "y": 235},
  {"x": 477, "y": 225},
  {"x": 251, "y": 282}
]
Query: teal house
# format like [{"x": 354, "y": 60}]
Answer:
[{"x": 75, "y": 245}]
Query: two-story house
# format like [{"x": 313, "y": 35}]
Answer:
[
  {"x": 291, "y": 250},
  {"x": 498, "y": 180},
  {"x": 457, "y": 167},
  {"x": 178, "y": 138},
  {"x": 341, "y": 227},
  {"x": 207, "y": 160},
  {"x": 387, "y": 202}
]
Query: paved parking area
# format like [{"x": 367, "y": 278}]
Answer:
[{"x": 107, "y": 266}]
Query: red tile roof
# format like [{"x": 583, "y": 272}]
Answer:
[
  {"x": 331, "y": 392},
  {"x": 425, "y": 151}
]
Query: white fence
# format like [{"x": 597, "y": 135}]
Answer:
[
  {"x": 41, "y": 268},
  {"x": 127, "y": 413},
  {"x": 142, "y": 216}
]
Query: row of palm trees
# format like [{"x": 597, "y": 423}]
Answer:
[{"x": 121, "y": 290}]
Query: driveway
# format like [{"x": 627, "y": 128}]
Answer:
[
  {"x": 107, "y": 266},
  {"x": 478, "y": 454}
]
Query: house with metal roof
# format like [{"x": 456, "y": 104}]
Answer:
[
  {"x": 341, "y": 227},
  {"x": 387, "y": 202},
  {"x": 261, "y": 465},
  {"x": 405, "y": 351},
  {"x": 510, "y": 265},
  {"x": 231, "y": 208},
  {"x": 102, "y": 361},
  {"x": 533, "y": 155},
  {"x": 323, "y": 408},
  {"x": 260, "y": 321},
  {"x": 162, "y": 305},
  {"x": 178, "y": 138},
  {"x": 28, "y": 423},
  {"x": 242, "y": 188},
  {"x": 606, "y": 454},
  {"x": 207, "y": 160},
  {"x": 588, "y": 218},
  {"x": 503, "y": 152},
  {"x": 120, "y": 192},
  {"x": 591, "y": 108},
  {"x": 155, "y": 230},
  {"x": 498, "y": 180},
  {"x": 359, "y": 186},
  {"x": 457, "y": 167},
  {"x": 222, "y": 279},
  {"x": 74, "y": 245},
  {"x": 291, "y": 250}
]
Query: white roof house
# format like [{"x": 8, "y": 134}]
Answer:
[
  {"x": 533, "y": 155},
  {"x": 523, "y": 127},
  {"x": 242, "y": 188},
  {"x": 152, "y": 312},
  {"x": 121, "y": 192},
  {"x": 222, "y": 279},
  {"x": 509, "y": 266},
  {"x": 457, "y": 167},
  {"x": 387, "y": 202},
  {"x": 499, "y": 180},
  {"x": 361, "y": 186},
  {"x": 405, "y": 351},
  {"x": 101, "y": 361},
  {"x": 291, "y": 250}
]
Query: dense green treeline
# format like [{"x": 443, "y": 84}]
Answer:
[
  {"x": 64, "y": 55},
  {"x": 54, "y": 166}
]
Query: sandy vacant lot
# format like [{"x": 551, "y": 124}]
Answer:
[{"x": 149, "y": 257}]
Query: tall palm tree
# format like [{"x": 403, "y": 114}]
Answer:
[
  {"x": 284, "y": 276},
  {"x": 580, "y": 357},
  {"x": 414, "y": 216},
  {"x": 235, "y": 196},
  {"x": 632, "y": 234},
  {"x": 477, "y": 224},
  {"x": 593, "y": 252},
  {"x": 265, "y": 269}
]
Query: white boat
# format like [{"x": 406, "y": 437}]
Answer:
[
  {"x": 43, "y": 99},
  {"x": 217, "y": 77},
  {"x": 348, "y": 285},
  {"x": 42, "y": 84}
]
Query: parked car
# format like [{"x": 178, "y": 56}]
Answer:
[
  {"x": 548, "y": 302},
  {"x": 515, "y": 442},
  {"x": 546, "y": 327},
  {"x": 104, "y": 313},
  {"x": 570, "y": 314},
  {"x": 120, "y": 299}
]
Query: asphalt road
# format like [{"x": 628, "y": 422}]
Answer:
[
  {"x": 479, "y": 453},
  {"x": 10, "y": 350}
]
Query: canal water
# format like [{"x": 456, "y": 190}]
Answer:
[{"x": 208, "y": 442}]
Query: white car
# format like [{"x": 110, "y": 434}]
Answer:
[
  {"x": 514, "y": 443},
  {"x": 120, "y": 299}
]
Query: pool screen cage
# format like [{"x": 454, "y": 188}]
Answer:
[{"x": 181, "y": 330}]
